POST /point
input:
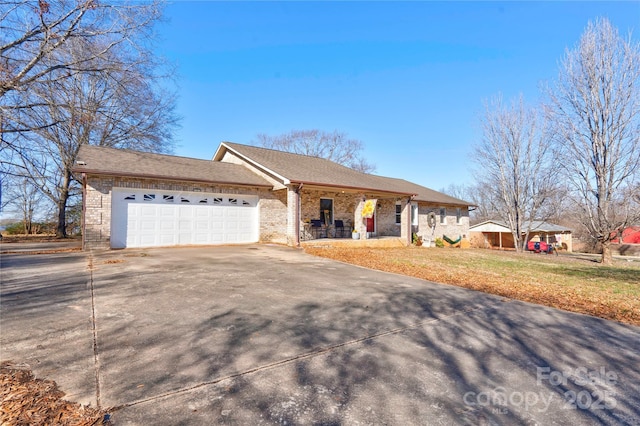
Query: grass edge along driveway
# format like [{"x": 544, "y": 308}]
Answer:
[{"x": 566, "y": 282}]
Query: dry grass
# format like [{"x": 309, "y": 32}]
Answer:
[{"x": 565, "y": 282}]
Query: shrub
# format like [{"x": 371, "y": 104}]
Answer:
[
  {"x": 15, "y": 228},
  {"x": 439, "y": 242}
]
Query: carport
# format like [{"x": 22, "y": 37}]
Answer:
[{"x": 496, "y": 234}]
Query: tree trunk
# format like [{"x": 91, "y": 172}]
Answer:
[
  {"x": 27, "y": 226},
  {"x": 61, "y": 231},
  {"x": 607, "y": 258},
  {"x": 517, "y": 242}
]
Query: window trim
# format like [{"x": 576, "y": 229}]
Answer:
[
  {"x": 415, "y": 215},
  {"x": 398, "y": 213}
]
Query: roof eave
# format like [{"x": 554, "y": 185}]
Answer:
[
  {"x": 445, "y": 203},
  {"x": 354, "y": 188},
  {"x": 152, "y": 176}
]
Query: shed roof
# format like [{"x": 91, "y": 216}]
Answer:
[
  {"x": 501, "y": 226},
  {"x": 124, "y": 162}
]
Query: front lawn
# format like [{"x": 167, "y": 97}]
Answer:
[{"x": 567, "y": 282}]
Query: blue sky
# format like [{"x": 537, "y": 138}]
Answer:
[{"x": 408, "y": 79}]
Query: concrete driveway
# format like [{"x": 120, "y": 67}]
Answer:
[{"x": 269, "y": 335}]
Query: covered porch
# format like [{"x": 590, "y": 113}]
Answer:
[{"x": 336, "y": 215}]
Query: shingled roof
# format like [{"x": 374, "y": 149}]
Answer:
[
  {"x": 124, "y": 162},
  {"x": 297, "y": 168}
]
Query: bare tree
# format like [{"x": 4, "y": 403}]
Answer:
[
  {"x": 514, "y": 165},
  {"x": 26, "y": 200},
  {"x": 33, "y": 31},
  {"x": 113, "y": 99},
  {"x": 595, "y": 107},
  {"x": 485, "y": 200},
  {"x": 335, "y": 146},
  {"x": 477, "y": 195},
  {"x": 120, "y": 108}
]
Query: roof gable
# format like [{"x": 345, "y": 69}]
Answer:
[{"x": 124, "y": 162}]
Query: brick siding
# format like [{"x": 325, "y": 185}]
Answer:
[{"x": 97, "y": 205}]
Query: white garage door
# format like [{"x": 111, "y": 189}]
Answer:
[{"x": 147, "y": 218}]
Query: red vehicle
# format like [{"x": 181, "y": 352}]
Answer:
[{"x": 541, "y": 247}]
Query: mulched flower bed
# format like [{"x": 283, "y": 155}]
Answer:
[{"x": 25, "y": 400}]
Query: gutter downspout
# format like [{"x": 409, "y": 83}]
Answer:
[
  {"x": 410, "y": 222},
  {"x": 84, "y": 211}
]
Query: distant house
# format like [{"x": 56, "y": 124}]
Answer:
[
  {"x": 497, "y": 234},
  {"x": 630, "y": 235},
  {"x": 247, "y": 194}
]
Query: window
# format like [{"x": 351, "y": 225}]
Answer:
[
  {"x": 217, "y": 200},
  {"x": 326, "y": 211},
  {"x": 443, "y": 215},
  {"x": 414, "y": 214},
  {"x": 203, "y": 201},
  {"x": 167, "y": 198},
  {"x": 184, "y": 200},
  {"x": 398, "y": 213},
  {"x": 458, "y": 215},
  {"x": 233, "y": 201},
  {"x": 130, "y": 197},
  {"x": 149, "y": 197}
]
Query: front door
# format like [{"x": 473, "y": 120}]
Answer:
[{"x": 371, "y": 223}]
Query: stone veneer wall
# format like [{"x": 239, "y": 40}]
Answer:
[
  {"x": 348, "y": 207},
  {"x": 386, "y": 219},
  {"x": 343, "y": 205},
  {"x": 451, "y": 229},
  {"x": 97, "y": 217}
]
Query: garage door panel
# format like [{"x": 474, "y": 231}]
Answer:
[
  {"x": 167, "y": 225},
  {"x": 149, "y": 211},
  {"x": 201, "y": 238},
  {"x": 202, "y": 212},
  {"x": 168, "y": 239},
  {"x": 148, "y": 224},
  {"x": 202, "y": 226},
  {"x": 184, "y": 225},
  {"x": 185, "y": 211},
  {"x": 161, "y": 218},
  {"x": 147, "y": 240},
  {"x": 185, "y": 238}
]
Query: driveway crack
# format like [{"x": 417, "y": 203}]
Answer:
[
  {"x": 94, "y": 331},
  {"x": 306, "y": 355}
]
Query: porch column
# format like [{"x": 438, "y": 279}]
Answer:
[
  {"x": 358, "y": 223},
  {"x": 374, "y": 203},
  {"x": 293, "y": 216},
  {"x": 405, "y": 222}
]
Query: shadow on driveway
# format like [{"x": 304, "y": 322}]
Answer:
[{"x": 264, "y": 335}]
